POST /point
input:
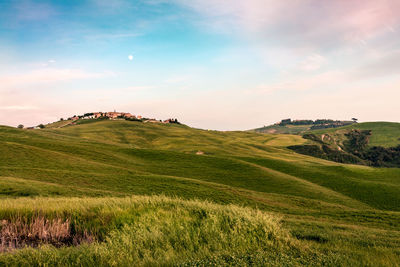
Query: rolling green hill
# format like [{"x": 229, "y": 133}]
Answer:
[
  {"x": 385, "y": 134},
  {"x": 373, "y": 144},
  {"x": 58, "y": 124},
  {"x": 347, "y": 212},
  {"x": 287, "y": 129},
  {"x": 289, "y": 126}
]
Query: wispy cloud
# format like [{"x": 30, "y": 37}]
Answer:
[
  {"x": 273, "y": 59},
  {"x": 383, "y": 64},
  {"x": 47, "y": 75},
  {"x": 179, "y": 78},
  {"x": 112, "y": 6},
  {"x": 312, "y": 63},
  {"x": 136, "y": 88},
  {"x": 112, "y": 36},
  {"x": 18, "y": 108},
  {"x": 27, "y": 10},
  {"x": 314, "y": 23},
  {"x": 302, "y": 83}
]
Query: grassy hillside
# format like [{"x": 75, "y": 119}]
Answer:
[
  {"x": 152, "y": 230},
  {"x": 287, "y": 129},
  {"x": 372, "y": 144},
  {"x": 386, "y": 134},
  {"x": 350, "y": 212},
  {"x": 289, "y": 126},
  {"x": 59, "y": 124}
]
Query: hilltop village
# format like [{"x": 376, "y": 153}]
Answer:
[
  {"x": 87, "y": 117},
  {"x": 118, "y": 116}
]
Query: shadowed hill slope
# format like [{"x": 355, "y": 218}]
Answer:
[
  {"x": 373, "y": 144},
  {"x": 283, "y": 129},
  {"x": 385, "y": 134}
]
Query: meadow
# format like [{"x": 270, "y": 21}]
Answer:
[
  {"x": 143, "y": 193},
  {"x": 384, "y": 134}
]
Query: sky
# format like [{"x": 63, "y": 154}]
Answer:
[{"x": 213, "y": 64}]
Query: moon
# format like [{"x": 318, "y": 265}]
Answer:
[{"x": 130, "y": 57}]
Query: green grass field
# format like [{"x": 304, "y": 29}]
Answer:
[
  {"x": 289, "y": 209},
  {"x": 386, "y": 134},
  {"x": 287, "y": 129}
]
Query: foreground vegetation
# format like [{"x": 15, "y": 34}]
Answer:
[
  {"x": 151, "y": 230},
  {"x": 83, "y": 177}
]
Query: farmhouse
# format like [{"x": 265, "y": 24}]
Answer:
[
  {"x": 152, "y": 120},
  {"x": 97, "y": 115},
  {"x": 129, "y": 115},
  {"x": 113, "y": 115}
]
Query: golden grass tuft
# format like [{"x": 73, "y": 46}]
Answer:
[{"x": 21, "y": 233}]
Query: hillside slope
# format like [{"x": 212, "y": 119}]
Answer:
[
  {"x": 373, "y": 144},
  {"x": 121, "y": 158},
  {"x": 286, "y": 129},
  {"x": 135, "y": 150},
  {"x": 289, "y": 126},
  {"x": 385, "y": 134}
]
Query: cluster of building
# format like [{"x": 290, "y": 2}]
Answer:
[
  {"x": 119, "y": 115},
  {"x": 110, "y": 115}
]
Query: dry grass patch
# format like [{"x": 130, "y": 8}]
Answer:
[{"x": 22, "y": 233}]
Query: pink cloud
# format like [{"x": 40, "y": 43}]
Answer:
[{"x": 311, "y": 21}]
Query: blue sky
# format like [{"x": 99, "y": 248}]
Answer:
[{"x": 213, "y": 64}]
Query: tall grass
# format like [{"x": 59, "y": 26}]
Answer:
[
  {"x": 20, "y": 233},
  {"x": 162, "y": 231},
  {"x": 143, "y": 231}
]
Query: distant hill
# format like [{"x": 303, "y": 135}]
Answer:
[
  {"x": 385, "y": 134},
  {"x": 289, "y": 126},
  {"x": 284, "y": 129},
  {"x": 372, "y": 143}
]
